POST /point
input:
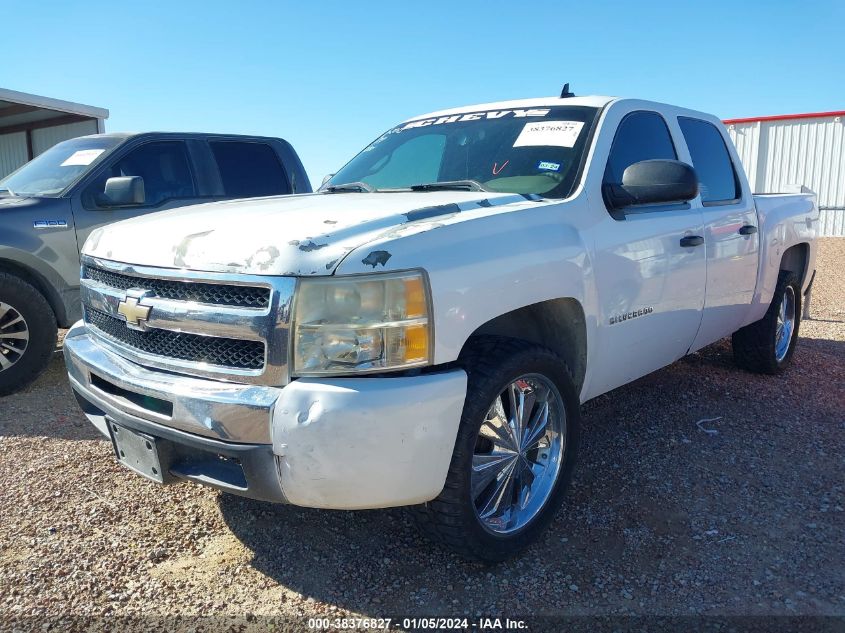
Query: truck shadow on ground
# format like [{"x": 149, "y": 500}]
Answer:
[{"x": 657, "y": 498}]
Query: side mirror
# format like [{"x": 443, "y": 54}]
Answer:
[
  {"x": 326, "y": 178},
  {"x": 124, "y": 191},
  {"x": 653, "y": 182}
]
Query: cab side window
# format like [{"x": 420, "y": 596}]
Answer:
[
  {"x": 163, "y": 165},
  {"x": 717, "y": 181},
  {"x": 641, "y": 136},
  {"x": 249, "y": 169}
]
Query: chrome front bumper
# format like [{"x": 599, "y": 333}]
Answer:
[
  {"x": 213, "y": 433},
  {"x": 224, "y": 411},
  {"x": 343, "y": 443}
]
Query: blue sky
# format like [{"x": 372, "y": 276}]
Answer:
[{"x": 331, "y": 76}]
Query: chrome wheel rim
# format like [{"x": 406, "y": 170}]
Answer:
[
  {"x": 785, "y": 324},
  {"x": 14, "y": 336},
  {"x": 518, "y": 454}
]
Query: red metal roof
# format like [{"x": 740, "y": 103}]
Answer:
[{"x": 785, "y": 117}]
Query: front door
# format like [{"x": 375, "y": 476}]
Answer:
[
  {"x": 168, "y": 177},
  {"x": 649, "y": 280}
]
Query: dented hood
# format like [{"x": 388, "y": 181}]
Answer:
[{"x": 288, "y": 235}]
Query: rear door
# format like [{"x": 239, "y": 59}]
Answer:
[
  {"x": 169, "y": 182},
  {"x": 730, "y": 231},
  {"x": 650, "y": 288}
]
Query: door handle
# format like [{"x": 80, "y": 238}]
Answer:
[
  {"x": 692, "y": 240},
  {"x": 748, "y": 229}
]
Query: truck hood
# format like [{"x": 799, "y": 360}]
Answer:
[
  {"x": 7, "y": 201},
  {"x": 289, "y": 235}
]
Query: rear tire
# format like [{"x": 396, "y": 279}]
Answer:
[
  {"x": 532, "y": 483},
  {"x": 766, "y": 346},
  {"x": 28, "y": 334}
]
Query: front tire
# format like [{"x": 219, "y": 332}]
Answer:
[
  {"x": 766, "y": 346},
  {"x": 28, "y": 334},
  {"x": 514, "y": 454}
]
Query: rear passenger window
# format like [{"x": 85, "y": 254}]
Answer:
[
  {"x": 716, "y": 176},
  {"x": 249, "y": 169},
  {"x": 641, "y": 136}
]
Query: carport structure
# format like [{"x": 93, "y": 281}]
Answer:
[{"x": 31, "y": 124}]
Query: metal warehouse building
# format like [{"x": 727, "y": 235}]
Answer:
[
  {"x": 30, "y": 125},
  {"x": 782, "y": 152}
]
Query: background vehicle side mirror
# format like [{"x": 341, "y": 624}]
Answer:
[
  {"x": 124, "y": 191},
  {"x": 326, "y": 178},
  {"x": 653, "y": 182}
]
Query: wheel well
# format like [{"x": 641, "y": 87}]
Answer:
[
  {"x": 795, "y": 260},
  {"x": 39, "y": 283},
  {"x": 557, "y": 324}
]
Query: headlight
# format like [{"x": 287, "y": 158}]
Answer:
[{"x": 361, "y": 324}]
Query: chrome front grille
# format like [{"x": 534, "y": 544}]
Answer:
[
  {"x": 216, "y": 294},
  {"x": 215, "y": 325},
  {"x": 223, "y": 352}
]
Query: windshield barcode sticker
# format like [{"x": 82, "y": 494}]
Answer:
[
  {"x": 549, "y": 134},
  {"x": 82, "y": 157}
]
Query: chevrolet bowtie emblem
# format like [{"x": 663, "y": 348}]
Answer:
[{"x": 130, "y": 308}]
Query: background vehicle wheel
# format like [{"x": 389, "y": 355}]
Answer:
[
  {"x": 27, "y": 333},
  {"x": 514, "y": 453},
  {"x": 767, "y": 345}
]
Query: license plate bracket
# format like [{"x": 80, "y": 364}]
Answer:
[{"x": 137, "y": 451}]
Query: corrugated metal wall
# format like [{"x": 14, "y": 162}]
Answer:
[
  {"x": 12, "y": 152},
  {"x": 809, "y": 152},
  {"x": 13, "y": 146},
  {"x": 44, "y": 138}
]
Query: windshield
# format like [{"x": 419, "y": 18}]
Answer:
[
  {"x": 528, "y": 151},
  {"x": 50, "y": 173}
]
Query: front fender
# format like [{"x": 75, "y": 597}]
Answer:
[
  {"x": 483, "y": 264},
  {"x": 47, "y": 256}
]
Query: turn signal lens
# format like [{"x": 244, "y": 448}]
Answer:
[
  {"x": 415, "y": 298},
  {"x": 416, "y": 343}
]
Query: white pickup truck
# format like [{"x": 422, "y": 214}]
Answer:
[{"x": 422, "y": 331}]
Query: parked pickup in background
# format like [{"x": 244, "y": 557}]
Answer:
[
  {"x": 51, "y": 205},
  {"x": 423, "y": 330}
]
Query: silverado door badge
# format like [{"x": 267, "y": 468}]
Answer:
[{"x": 618, "y": 318}]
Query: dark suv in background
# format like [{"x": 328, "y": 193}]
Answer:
[{"x": 49, "y": 206}]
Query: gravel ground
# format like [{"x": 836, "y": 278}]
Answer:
[{"x": 741, "y": 515}]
